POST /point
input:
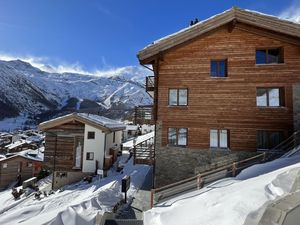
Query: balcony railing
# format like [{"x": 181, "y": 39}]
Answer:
[
  {"x": 143, "y": 114},
  {"x": 150, "y": 83}
]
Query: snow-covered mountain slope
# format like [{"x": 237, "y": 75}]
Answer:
[{"x": 26, "y": 89}]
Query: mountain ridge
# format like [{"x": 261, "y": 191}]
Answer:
[{"x": 35, "y": 94}]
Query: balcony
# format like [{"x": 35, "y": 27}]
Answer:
[
  {"x": 150, "y": 84},
  {"x": 143, "y": 114}
]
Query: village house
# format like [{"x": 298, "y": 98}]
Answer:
[
  {"x": 79, "y": 144},
  {"x": 224, "y": 87},
  {"x": 19, "y": 167}
]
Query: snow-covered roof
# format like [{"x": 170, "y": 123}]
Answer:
[
  {"x": 132, "y": 127},
  {"x": 86, "y": 118},
  {"x": 249, "y": 17},
  {"x": 36, "y": 155},
  {"x": 130, "y": 144},
  {"x": 17, "y": 144}
]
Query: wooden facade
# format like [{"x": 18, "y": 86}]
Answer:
[
  {"x": 12, "y": 167},
  {"x": 60, "y": 141},
  {"x": 224, "y": 102}
]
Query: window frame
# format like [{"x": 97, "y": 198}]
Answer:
[
  {"x": 219, "y": 132},
  {"x": 89, "y": 154},
  {"x": 281, "y": 55},
  {"x": 93, "y": 136},
  {"x": 269, "y": 132},
  {"x": 218, "y": 68},
  {"x": 281, "y": 97},
  {"x": 177, "y": 97},
  {"x": 177, "y": 134}
]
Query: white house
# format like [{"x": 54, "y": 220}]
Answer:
[{"x": 79, "y": 144}]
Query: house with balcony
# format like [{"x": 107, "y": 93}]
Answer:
[
  {"x": 79, "y": 144},
  {"x": 225, "y": 87}
]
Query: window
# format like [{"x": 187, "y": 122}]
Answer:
[
  {"x": 268, "y": 139},
  {"x": 218, "y": 138},
  {"x": 270, "y": 97},
  {"x": 91, "y": 135},
  {"x": 4, "y": 165},
  {"x": 218, "y": 68},
  {"x": 90, "y": 156},
  {"x": 178, "y": 97},
  {"x": 269, "y": 56},
  {"x": 177, "y": 136},
  {"x": 114, "y": 137}
]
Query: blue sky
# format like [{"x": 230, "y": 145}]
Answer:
[{"x": 103, "y": 34}]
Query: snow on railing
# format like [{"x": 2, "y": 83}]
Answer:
[{"x": 199, "y": 181}]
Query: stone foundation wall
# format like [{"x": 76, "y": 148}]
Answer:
[
  {"x": 62, "y": 178},
  {"x": 173, "y": 164}
]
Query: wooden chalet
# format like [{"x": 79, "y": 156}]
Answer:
[
  {"x": 226, "y": 84},
  {"x": 18, "y": 168},
  {"x": 79, "y": 144}
]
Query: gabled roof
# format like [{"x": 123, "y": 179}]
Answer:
[
  {"x": 97, "y": 121},
  {"x": 252, "y": 18}
]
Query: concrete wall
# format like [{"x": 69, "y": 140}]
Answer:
[
  {"x": 62, "y": 178},
  {"x": 93, "y": 145},
  {"x": 296, "y": 106},
  {"x": 173, "y": 164}
]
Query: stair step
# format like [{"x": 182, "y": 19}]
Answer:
[{"x": 124, "y": 222}]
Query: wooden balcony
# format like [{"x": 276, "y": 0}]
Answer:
[
  {"x": 150, "y": 84},
  {"x": 143, "y": 114}
]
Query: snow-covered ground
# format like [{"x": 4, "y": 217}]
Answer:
[
  {"x": 76, "y": 204},
  {"x": 229, "y": 201}
]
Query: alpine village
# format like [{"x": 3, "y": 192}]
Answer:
[{"x": 206, "y": 130}]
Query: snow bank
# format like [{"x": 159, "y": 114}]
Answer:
[
  {"x": 226, "y": 202},
  {"x": 264, "y": 168},
  {"x": 77, "y": 203}
]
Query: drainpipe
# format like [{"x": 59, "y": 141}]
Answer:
[{"x": 104, "y": 151}]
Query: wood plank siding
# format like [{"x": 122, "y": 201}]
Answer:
[
  {"x": 230, "y": 102},
  {"x": 15, "y": 166},
  {"x": 60, "y": 141}
]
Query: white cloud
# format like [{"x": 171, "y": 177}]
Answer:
[
  {"x": 44, "y": 63},
  {"x": 35, "y": 61},
  {"x": 292, "y": 12}
]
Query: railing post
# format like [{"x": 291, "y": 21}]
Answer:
[
  {"x": 199, "y": 182},
  {"x": 264, "y": 156},
  {"x": 234, "y": 169},
  {"x": 134, "y": 151},
  {"x": 152, "y": 199}
]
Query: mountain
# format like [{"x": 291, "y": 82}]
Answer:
[{"x": 36, "y": 95}]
